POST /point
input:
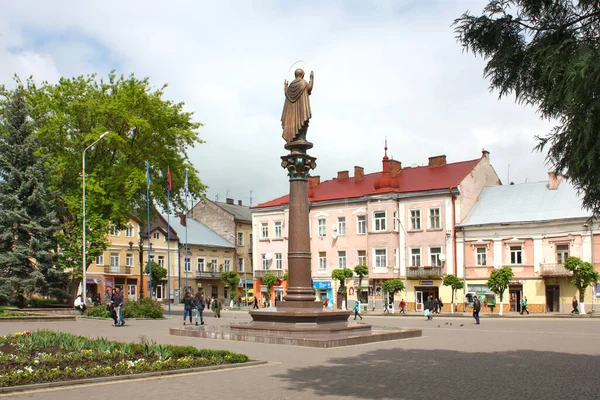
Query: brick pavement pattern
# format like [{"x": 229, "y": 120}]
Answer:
[{"x": 455, "y": 359}]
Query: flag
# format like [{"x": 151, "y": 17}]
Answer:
[
  {"x": 148, "y": 174},
  {"x": 169, "y": 183},
  {"x": 185, "y": 187}
]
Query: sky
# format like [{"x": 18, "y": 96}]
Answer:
[{"x": 383, "y": 69}]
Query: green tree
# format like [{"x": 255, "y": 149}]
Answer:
[
  {"x": 285, "y": 277},
  {"x": 28, "y": 246},
  {"x": 158, "y": 273},
  {"x": 455, "y": 284},
  {"x": 269, "y": 280},
  {"x": 498, "y": 282},
  {"x": 231, "y": 279},
  {"x": 392, "y": 286},
  {"x": 584, "y": 275},
  {"x": 361, "y": 271},
  {"x": 341, "y": 274},
  {"x": 143, "y": 125},
  {"x": 546, "y": 54}
]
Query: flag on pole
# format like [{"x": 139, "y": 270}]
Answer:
[
  {"x": 185, "y": 187},
  {"x": 148, "y": 174},
  {"x": 169, "y": 183}
]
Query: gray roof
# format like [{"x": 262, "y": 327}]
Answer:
[
  {"x": 526, "y": 202},
  {"x": 198, "y": 233},
  {"x": 240, "y": 213}
]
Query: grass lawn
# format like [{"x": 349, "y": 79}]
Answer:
[{"x": 47, "y": 356}]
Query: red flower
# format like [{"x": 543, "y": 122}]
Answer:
[{"x": 28, "y": 332}]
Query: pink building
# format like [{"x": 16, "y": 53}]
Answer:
[{"x": 400, "y": 222}]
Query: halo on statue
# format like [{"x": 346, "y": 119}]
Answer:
[{"x": 289, "y": 76}]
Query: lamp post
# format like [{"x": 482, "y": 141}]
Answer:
[{"x": 84, "y": 263}]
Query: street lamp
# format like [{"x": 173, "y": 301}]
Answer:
[{"x": 84, "y": 242}]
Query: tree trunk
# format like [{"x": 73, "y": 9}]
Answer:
[
  {"x": 501, "y": 303},
  {"x": 453, "y": 305},
  {"x": 581, "y": 301}
]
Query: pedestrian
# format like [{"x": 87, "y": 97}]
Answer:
[
  {"x": 385, "y": 307},
  {"x": 239, "y": 301},
  {"x": 429, "y": 308},
  {"x": 524, "y": 305},
  {"x": 118, "y": 304},
  {"x": 441, "y": 305},
  {"x": 402, "y": 307},
  {"x": 575, "y": 306},
  {"x": 188, "y": 306},
  {"x": 255, "y": 306},
  {"x": 436, "y": 305},
  {"x": 199, "y": 306},
  {"x": 79, "y": 304},
  {"x": 325, "y": 302},
  {"x": 107, "y": 296},
  {"x": 112, "y": 308},
  {"x": 476, "y": 308},
  {"x": 216, "y": 306},
  {"x": 357, "y": 310}
]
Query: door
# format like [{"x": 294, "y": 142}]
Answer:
[
  {"x": 132, "y": 292},
  {"x": 552, "y": 297},
  {"x": 158, "y": 292},
  {"x": 515, "y": 300},
  {"x": 419, "y": 301}
]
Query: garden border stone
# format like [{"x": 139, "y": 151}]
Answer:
[
  {"x": 37, "y": 386},
  {"x": 39, "y": 318}
]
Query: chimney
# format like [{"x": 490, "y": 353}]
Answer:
[
  {"x": 359, "y": 173},
  {"x": 485, "y": 154},
  {"x": 343, "y": 175},
  {"x": 182, "y": 219},
  {"x": 554, "y": 180},
  {"x": 239, "y": 202},
  {"x": 229, "y": 201},
  {"x": 437, "y": 161},
  {"x": 395, "y": 168},
  {"x": 314, "y": 180}
]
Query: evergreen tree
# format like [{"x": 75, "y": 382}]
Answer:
[{"x": 28, "y": 221}]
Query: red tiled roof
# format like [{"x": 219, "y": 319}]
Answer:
[{"x": 415, "y": 179}]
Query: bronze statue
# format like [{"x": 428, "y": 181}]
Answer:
[{"x": 296, "y": 109}]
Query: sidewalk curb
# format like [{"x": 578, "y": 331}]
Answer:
[{"x": 37, "y": 386}]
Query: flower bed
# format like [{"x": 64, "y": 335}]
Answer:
[
  {"x": 143, "y": 308},
  {"x": 47, "y": 356},
  {"x": 12, "y": 314}
]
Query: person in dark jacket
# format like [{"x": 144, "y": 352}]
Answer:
[
  {"x": 199, "y": 306},
  {"x": 476, "y": 308},
  {"x": 255, "y": 303},
  {"x": 112, "y": 308},
  {"x": 118, "y": 303},
  {"x": 188, "y": 306},
  {"x": 430, "y": 307},
  {"x": 575, "y": 305}
]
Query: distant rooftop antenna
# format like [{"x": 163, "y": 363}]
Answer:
[
  {"x": 227, "y": 194},
  {"x": 251, "y": 198},
  {"x": 216, "y": 197}
]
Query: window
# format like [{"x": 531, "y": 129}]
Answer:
[
  {"x": 213, "y": 265},
  {"x": 129, "y": 231},
  {"x": 322, "y": 261},
  {"x": 278, "y": 229},
  {"x": 341, "y": 259},
  {"x": 152, "y": 257},
  {"x": 156, "y": 235},
  {"x": 186, "y": 264},
  {"x": 481, "y": 256},
  {"x": 113, "y": 230},
  {"x": 226, "y": 265},
  {"x": 278, "y": 261},
  {"x": 100, "y": 259},
  {"x": 264, "y": 230},
  {"x": 341, "y": 225},
  {"x": 396, "y": 258},
  {"x": 415, "y": 220},
  {"x": 380, "y": 258},
  {"x": 362, "y": 257},
  {"x": 161, "y": 261},
  {"x": 415, "y": 257},
  {"x": 562, "y": 253},
  {"x": 265, "y": 262},
  {"x": 434, "y": 218},
  {"x": 516, "y": 255},
  {"x": 250, "y": 239},
  {"x": 361, "y": 224},
  {"x": 114, "y": 259},
  {"x": 240, "y": 238},
  {"x": 240, "y": 265},
  {"x": 379, "y": 217},
  {"x": 395, "y": 222},
  {"x": 434, "y": 256},
  {"x": 322, "y": 227},
  {"x": 200, "y": 264},
  {"x": 129, "y": 260}
]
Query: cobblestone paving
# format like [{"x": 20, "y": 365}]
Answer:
[{"x": 455, "y": 359}]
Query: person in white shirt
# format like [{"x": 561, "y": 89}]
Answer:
[{"x": 79, "y": 304}]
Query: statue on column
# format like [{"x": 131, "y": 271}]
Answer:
[{"x": 296, "y": 109}]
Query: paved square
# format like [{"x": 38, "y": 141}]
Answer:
[{"x": 524, "y": 358}]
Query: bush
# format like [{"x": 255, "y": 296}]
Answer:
[
  {"x": 42, "y": 303},
  {"x": 98, "y": 312},
  {"x": 143, "y": 308}
]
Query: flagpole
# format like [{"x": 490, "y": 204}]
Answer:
[
  {"x": 169, "y": 238},
  {"x": 148, "y": 201},
  {"x": 186, "y": 259}
]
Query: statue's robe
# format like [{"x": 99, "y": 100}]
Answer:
[{"x": 296, "y": 110}]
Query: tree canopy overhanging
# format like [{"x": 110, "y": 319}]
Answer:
[{"x": 546, "y": 53}]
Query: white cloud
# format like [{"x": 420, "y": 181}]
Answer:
[{"x": 381, "y": 69}]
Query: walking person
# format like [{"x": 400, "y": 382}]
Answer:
[
  {"x": 429, "y": 308},
  {"x": 118, "y": 303},
  {"x": 385, "y": 307},
  {"x": 188, "y": 306},
  {"x": 357, "y": 310},
  {"x": 476, "y": 308},
  {"x": 255, "y": 306},
  {"x": 402, "y": 307},
  {"x": 440, "y": 305},
  {"x": 111, "y": 307},
  {"x": 199, "y": 306},
  {"x": 524, "y": 305},
  {"x": 575, "y": 304},
  {"x": 436, "y": 305},
  {"x": 216, "y": 306}
]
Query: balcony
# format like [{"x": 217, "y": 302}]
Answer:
[
  {"x": 117, "y": 270},
  {"x": 424, "y": 272},
  {"x": 208, "y": 275},
  {"x": 259, "y": 273},
  {"x": 554, "y": 270}
]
